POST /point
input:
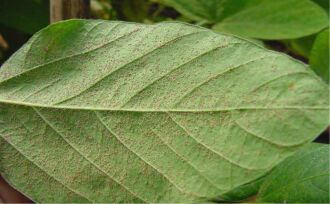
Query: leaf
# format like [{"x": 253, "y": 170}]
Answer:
[
  {"x": 136, "y": 10},
  {"x": 102, "y": 10},
  {"x": 210, "y": 11},
  {"x": 302, "y": 178},
  {"x": 319, "y": 59},
  {"x": 297, "y": 18},
  {"x": 324, "y": 4},
  {"x": 24, "y": 15},
  {"x": 97, "y": 111},
  {"x": 256, "y": 18},
  {"x": 302, "y": 46},
  {"x": 243, "y": 192}
]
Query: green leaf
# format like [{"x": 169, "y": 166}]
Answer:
[
  {"x": 280, "y": 19},
  {"x": 319, "y": 59},
  {"x": 302, "y": 178},
  {"x": 97, "y": 111},
  {"x": 243, "y": 192},
  {"x": 302, "y": 46},
  {"x": 324, "y": 4},
  {"x": 256, "y": 18},
  {"x": 211, "y": 11},
  {"x": 28, "y": 16},
  {"x": 129, "y": 10}
]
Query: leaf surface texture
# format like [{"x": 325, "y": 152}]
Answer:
[{"x": 97, "y": 111}]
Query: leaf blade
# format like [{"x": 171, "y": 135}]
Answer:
[
  {"x": 319, "y": 59},
  {"x": 262, "y": 20},
  {"x": 312, "y": 165},
  {"x": 144, "y": 107}
]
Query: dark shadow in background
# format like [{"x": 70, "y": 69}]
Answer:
[{"x": 10, "y": 195}]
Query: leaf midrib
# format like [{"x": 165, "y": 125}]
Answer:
[
  {"x": 161, "y": 110},
  {"x": 169, "y": 111}
]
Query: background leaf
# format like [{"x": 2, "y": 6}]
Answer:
[
  {"x": 302, "y": 178},
  {"x": 281, "y": 19},
  {"x": 243, "y": 192},
  {"x": 136, "y": 11},
  {"x": 28, "y": 16},
  {"x": 302, "y": 46},
  {"x": 210, "y": 11},
  {"x": 97, "y": 111},
  {"x": 324, "y": 4},
  {"x": 319, "y": 59}
]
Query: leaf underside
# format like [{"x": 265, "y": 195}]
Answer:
[{"x": 96, "y": 111}]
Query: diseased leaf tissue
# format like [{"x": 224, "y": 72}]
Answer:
[{"x": 96, "y": 111}]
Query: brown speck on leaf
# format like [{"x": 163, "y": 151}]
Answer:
[
  {"x": 291, "y": 86},
  {"x": 46, "y": 49}
]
